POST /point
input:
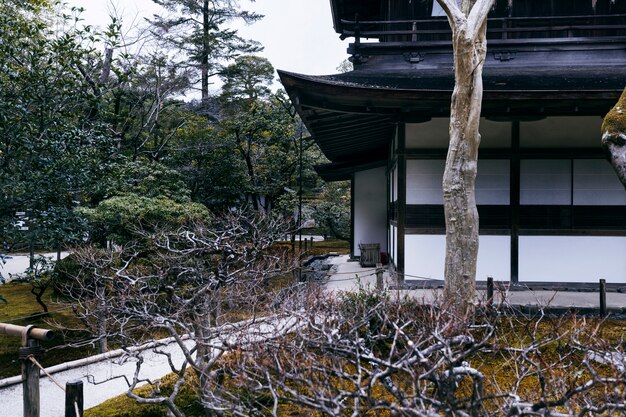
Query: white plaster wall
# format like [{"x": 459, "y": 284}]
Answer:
[
  {"x": 424, "y": 181},
  {"x": 493, "y": 182},
  {"x": 554, "y": 132},
  {"x": 393, "y": 234},
  {"x": 425, "y": 256},
  {"x": 434, "y": 134},
  {"x": 596, "y": 184},
  {"x": 545, "y": 181},
  {"x": 370, "y": 208},
  {"x": 394, "y": 184},
  {"x": 572, "y": 258}
]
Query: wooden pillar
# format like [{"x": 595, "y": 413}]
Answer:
[
  {"x": 489, "y": 292},
  {"x": 515, "y": 199},
  {"x": 400, "y": 250},
  {"x": 352, "y": 207},
  {"x": 603, "y": 298},
  {"x": 30, "y": 377}
]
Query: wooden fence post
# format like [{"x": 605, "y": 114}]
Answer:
[
  {"x": 74, "y": 399},
  {"x": 379, "y": 277},
  {"x": 30, "y": 377},
  {"x": 311, "y": 244},
  {"x": 489, "y": 291},
  {"x": 602, "y": 297},
  {"x": 31, "y": 349}
]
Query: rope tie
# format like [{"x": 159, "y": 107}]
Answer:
[
  {"x": 32, "y": 351},
  {"x": 37, "y": 364}
]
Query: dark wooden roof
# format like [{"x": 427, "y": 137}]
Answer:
[{"x": 352, "y": 116}]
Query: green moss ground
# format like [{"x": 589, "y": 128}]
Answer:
[
  {"x": 23, "y": 310},
  {"x": 498, "y": 370}
]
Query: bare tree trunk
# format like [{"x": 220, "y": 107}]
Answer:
[
  {"x": 469, "y": 39},
  {"x": 614, "y": 137},
  {"x": 204, "y": 354},
  {"x": 103, "y": 345},
  {"x": 205, "y": 51}
]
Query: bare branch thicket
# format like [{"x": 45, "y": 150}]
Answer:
[
  {"x": 362, "y": 353},
  {"x": 188, "y": 284},
  {"x": 367, "y": 354}
]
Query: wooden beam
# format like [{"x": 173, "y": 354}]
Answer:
[
  {"x": 514, "y": 199},
  {"x": 400, "y": 251}
]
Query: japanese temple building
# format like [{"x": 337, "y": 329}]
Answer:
[{"x": 551, "y": 208}]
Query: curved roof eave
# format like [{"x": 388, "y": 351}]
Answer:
[{"x": 352, "y": 116}]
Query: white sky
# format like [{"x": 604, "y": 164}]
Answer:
[{"x": 297, "y": 35}]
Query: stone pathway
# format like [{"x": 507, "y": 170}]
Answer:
[{"x": 349, "y": 276}]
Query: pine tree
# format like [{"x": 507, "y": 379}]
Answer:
[{"x": 196, "y": 30}]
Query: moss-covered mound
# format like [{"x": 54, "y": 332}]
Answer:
[{"x": 615, "y": 120}]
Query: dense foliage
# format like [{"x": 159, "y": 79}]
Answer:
[{"x": 94, "y": 129}]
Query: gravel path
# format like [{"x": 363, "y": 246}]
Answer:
[
  {"x": 17, "y": 264},
  {"x": 107, "y": 376},
  {"x": 105, "y": 379}
]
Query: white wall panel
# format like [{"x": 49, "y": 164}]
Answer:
[
  {"x": 428, "y": 135},
  {"x": 555, "y": 132},
  {"x": 493, "y": 182},
  {"x": 545, "y": 181},
  {"x": 370, "y": 208},
  {"x": 393, "y": 232},
  {"x": 572, "y": 258},
  {"x": 434, "y": 134},
  {"x": 596, "y": 184},
  {"x": 425, "y": 257},
  {"x": 394, "y": 184},
  {"x": 423, "y": 181}
]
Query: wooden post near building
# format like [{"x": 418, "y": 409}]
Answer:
[
  {"x": 31, "y": 349},
  {"x": 602, "y": 298},
  {"x": 489, "y": 292},
  {"x": 379, "y": 277}
]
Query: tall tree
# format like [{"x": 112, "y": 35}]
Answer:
[
  {"x": 468, "y": 20},
  {"x": 197, "y": 29},
  {"x": 614, "y": 137},
  {"x": 247, "y": 79},
  {"x": 48, "y": 141},
  {"x": 260, "y": 128}
]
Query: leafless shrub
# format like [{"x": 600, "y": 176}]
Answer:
[
  {"x": 187, "y": 284},
  {"x": 359, "y": 353},
  {"x": 369, "y": 354}
]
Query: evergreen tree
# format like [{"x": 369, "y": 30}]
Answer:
[{"x": 196, "y": 30}]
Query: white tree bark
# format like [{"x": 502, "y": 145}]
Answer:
[
  {"x": 469, "y": 25},
  {"x": 614, "y": 137}
]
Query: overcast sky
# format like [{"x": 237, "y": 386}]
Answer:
[{"x": 297, "y": 35}]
